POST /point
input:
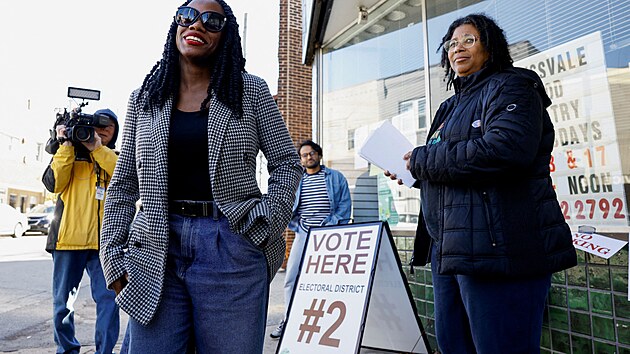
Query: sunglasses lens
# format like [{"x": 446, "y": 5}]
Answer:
[
  {"x": 213, "y": 21},
  {"x": 186, "y": 16}
]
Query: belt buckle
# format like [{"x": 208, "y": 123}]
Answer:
[
  {"x": 188, "y": 208},
  {"x": 195, "y": 208}
]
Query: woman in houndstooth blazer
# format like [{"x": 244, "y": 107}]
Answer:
[{"x": 194, "y": 262}]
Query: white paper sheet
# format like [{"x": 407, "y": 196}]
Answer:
[
  {"x": 599, "y": 245},
  {"x": 385, "y": 148}
]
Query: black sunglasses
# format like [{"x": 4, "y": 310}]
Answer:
[{"x": 212, "y": 21}]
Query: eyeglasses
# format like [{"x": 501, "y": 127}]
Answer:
[
  {"x": 307, "y": 154},
  {"x": 467, "y": 41},
  {"x": 212, "y": 21}
]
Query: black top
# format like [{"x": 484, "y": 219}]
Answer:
[{"x": 188, "y": 174}]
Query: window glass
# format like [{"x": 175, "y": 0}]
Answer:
[
  {"x": 581, "y": 50},
  {"x": 369, "y": 76},
  {"x": 378, "y": 74}
]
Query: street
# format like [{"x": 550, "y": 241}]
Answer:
[{"x": 26, "y": 301}]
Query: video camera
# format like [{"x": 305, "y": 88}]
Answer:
[{"x": 79, "y": 125}]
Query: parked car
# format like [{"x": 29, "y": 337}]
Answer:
[
  {"x": 12, "y": 222},
  {"x": 39, "y": 218}
]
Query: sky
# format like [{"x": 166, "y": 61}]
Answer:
[{"x": 106, "y": 45}]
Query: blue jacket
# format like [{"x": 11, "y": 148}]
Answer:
[
  {"x": 487, "y": 197},
  {"x": 338, "y": 195}
]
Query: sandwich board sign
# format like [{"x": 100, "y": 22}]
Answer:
[{"x": 351, "y": 293}]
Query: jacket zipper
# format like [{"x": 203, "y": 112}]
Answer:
[{"x": 486, "y": 206}]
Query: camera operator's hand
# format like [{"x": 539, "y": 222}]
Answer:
[
  {"x": 95, "y": 143},
  {"x": 61, "y": 135}
]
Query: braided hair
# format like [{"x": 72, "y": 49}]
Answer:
[
  {"x": 490, "y": 35},
  {"x": 227, "y": 66}
]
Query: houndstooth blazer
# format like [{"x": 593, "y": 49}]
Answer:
[{"x": 141, "y": 173}]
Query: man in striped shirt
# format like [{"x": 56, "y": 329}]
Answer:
[{"x": 323, "y": 198}]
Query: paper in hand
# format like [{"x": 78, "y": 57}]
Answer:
[{"x": 385, "y": 148}]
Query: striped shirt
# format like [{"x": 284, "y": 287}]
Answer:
[{"x": 314, "y": 204}]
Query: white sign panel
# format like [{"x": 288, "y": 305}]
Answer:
[
  {"x": 585, "y": 164},
  {"x": 335, "y": 288},
  {"x": 331, "y": 291},
  {"x": 391, "y": 315},
  {"x": 598, "y": 245}
]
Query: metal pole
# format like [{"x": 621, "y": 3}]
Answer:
[
  {"x": 427, "y": 66},
  {"x": 245, "y": 36}
]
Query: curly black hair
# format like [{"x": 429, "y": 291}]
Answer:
[
  {"x": 490, "y": 35},
  {"x": 227, "y": 65}
]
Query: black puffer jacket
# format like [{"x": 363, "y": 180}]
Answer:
[{"x": 486, "y": 193}]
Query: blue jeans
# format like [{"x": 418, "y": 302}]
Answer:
[
  {"x": 214, "y": 296},
  {"x": 68, "y": 269},
  {"x": 293, "y": 266},
  {"x": 124, "y": 347},
  {"x": 488, "y": 316}
]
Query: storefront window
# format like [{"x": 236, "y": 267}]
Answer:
[
  {"x": 581, "y": 50},
  {"x": 370, "y": 76}
]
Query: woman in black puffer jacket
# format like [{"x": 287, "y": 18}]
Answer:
[{"x": 488, "y": 205}]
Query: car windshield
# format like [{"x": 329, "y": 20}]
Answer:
[{"x": 42, "y": 209}]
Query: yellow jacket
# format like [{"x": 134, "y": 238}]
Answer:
[{"x": 75, "y": 225}]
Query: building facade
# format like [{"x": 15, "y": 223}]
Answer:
[
  {"x": 22, "y": 163},
  {"x": 294, "y": 82},
  {"x": 377, "y": 60}
]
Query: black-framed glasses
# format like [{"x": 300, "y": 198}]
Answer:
[
  {"x": 467, "y": 41},
  {"x": 307, "y": 154},
  {"x": 212, "y": 21}
]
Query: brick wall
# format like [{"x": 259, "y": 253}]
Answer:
[{"x": 294, "y": 80}]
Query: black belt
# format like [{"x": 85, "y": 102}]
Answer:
[{"x": 194, "y": 208}]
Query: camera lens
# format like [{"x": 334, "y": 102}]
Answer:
[{"x": 83, "y": 133}]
